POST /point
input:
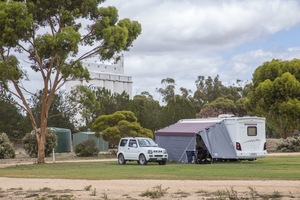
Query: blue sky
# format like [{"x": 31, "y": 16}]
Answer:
[{"x": 188, "y": 38}]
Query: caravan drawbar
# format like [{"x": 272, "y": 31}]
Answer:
[{"x": 225, "y": 137}]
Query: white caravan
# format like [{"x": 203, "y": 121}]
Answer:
[{"x": 247, "y": 134}]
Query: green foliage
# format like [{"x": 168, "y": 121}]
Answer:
[
  {"x": 148, "y": 111},
  {"x": 90, "y": 103},
  {"x": 86, "y": 149},
  {"x": 31, "y": 147},
  {"x": 177, "y": 106},
  {"x": 83, "y": 101},
  {"x": 213, "y": 98},
  {"x": 50, "y": 34},
  {"x": 59, "y": 112},
  {"x": 275, "y": 95},
  {"x": 176, "y": 109},
  {"x": 290, "y": 144},
  {"x": 241, "y": 109},
  {"x": 13, "y": 122},
  {"x": 15, "y": 23},
  {"x": 6, "y": 148},
  {"x": 217, "y": 107},
  {"x": 209, "y": 89},
  {"x": 168, "y": 92},
  {"x": 119, "y": 124}
]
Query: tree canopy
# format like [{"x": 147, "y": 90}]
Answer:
[
  {"x": 50, "y": 34},
  {"x": 119, "y": 124},
  {"x": 276, "y": 94},
  {"x": 12, "y": 122}
]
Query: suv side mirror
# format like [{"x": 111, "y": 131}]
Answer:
[{"x": 134, "y": 145}]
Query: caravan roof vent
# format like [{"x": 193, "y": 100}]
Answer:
[{"x": 225, "y": 115}]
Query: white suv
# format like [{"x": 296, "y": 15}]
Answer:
[{"x": 142, "y": 150}]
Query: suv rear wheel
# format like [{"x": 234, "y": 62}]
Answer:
[
  {"x": 142, "y": 160},
  {"x": 121, "y": 159}
]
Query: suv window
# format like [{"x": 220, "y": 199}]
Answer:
[
  {"x": 123, "y": 142},
  {"x": 146, "y": 142},
  {"x": 132, "y": 142}
]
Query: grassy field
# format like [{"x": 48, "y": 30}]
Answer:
[{"x": 270, "y": 168}]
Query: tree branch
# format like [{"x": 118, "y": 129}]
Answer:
[
  {"x": 26, "y": 106},
  {"x": 89, "y": 53}
]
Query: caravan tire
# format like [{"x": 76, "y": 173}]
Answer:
[
  {"x": 121, "y": 159},
  {"x": 142, "y": 160}
]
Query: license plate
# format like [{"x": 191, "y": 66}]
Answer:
[
  {"x": 159, "y": 158},
  {"x": 253, "y": 154}
]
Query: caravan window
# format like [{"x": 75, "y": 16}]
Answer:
[{"x": 252, "y": 131}]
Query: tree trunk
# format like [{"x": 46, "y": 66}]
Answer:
[
  {"x": 41, "y": 149},
  {"x": 41, "y": 137}
]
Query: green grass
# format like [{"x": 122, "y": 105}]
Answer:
[{"x": 270, "y": 168}]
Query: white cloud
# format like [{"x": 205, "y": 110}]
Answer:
[
  {"x": 216, "y": 25},
  {"x": 185, "y": 39}
]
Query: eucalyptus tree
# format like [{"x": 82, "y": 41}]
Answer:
[
  {"x": 275, "y": 94},
  {"x": 178, "y": 106},
  {"x": 147, "y": 110},
  {"x": 217, "y": 107},
  {"x": 12, "y": 121},
  {"x": 168, "y": 91},
  {"x": 50, "y": 34}
]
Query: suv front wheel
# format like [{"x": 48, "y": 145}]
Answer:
[
  {"x": 121, "y": 159},
  {"x": 142, "y": 160}
]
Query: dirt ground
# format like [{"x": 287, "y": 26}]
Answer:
[{"x": 20, "y": 188}]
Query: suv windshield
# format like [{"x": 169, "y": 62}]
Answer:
[{"x": 146, "y": 143}]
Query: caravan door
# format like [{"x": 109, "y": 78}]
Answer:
[{"x": 251, "y": 138}]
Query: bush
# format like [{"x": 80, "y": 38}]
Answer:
[
  {"x": 290, "y": 144},
  {"x": 86, "y": 149},
  {"x": 6, "y": 147},
  {"x": 31, "y": 147}
]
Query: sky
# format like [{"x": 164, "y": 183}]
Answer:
[{"x": 184, "y": 39}]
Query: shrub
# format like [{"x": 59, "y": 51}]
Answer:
[
  {"x": 31, "y": 147},
  {"x": 290, "y": 144},
  {"x": 6, "y": 147},
  {"x": 156, "y": 193},
  {"x": 86, "y": 149}
]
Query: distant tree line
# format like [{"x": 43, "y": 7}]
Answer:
[{"x": 274, "y": 93}]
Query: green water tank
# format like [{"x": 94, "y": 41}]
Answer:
[
  {"x": 80, "y": 137},
  {"x": 64, "y": 140}
]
